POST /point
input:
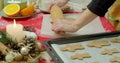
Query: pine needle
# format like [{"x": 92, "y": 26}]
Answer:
[{"x": 3, "y": 38}]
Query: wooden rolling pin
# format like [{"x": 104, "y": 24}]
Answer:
[{"x": 56, "y": 13}]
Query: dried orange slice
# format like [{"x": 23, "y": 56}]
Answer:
[
  {"x": 12, "y": 10},
  {"x": 28, "y": 10}
]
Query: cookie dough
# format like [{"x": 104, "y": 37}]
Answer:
[
  {"x": 72, "y": 48},
  {"x": 98, "y": 44},
  {"x": 80, "y": 56}
]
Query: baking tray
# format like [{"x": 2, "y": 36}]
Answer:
[{"x": 76, "y": 39}]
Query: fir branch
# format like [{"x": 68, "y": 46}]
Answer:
[{"x": 3, "y": 38}]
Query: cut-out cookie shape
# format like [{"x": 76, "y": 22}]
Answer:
[
  {"x": 72, "y": 48},
  {"x": 98, "y": 44},
  {"x": 80, "y": 56},
  {"x": 93, "y": 62},
  {"x": 116, "y": 40},
  {"x": 110, "y": 51},
  {"x": 115, "y": 59},
  {"x": 96, "y": 62}
]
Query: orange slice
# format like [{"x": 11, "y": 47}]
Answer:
[
  {"x": 28, "y": 10},
  {"x": 12, "y": 10}
]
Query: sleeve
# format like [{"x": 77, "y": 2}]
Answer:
[{"x": 100, "y": 7}]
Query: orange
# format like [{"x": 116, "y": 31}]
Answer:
[
  {"x": 28, "y": 10},
  {"x": 12, "y": 10}
]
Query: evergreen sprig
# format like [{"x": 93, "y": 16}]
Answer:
[{"x": 3, "y": 38}]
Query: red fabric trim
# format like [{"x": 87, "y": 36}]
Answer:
[{"x": 107, "y": 25}]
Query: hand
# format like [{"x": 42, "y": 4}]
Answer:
[
  {"x": 67, "y": 25},
  {"x": 60, "y": 3}
]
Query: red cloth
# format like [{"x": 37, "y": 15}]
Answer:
[
  {"x": 31, "y": 21},
  {"x": 36, "y": 22},
  {"x": 106, "y": 24}
]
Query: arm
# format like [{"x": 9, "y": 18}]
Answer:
[
  {"x": 73, "y": 25},
  {"x": 84, "y": 18},
  {"x": 95, "y": 8}
]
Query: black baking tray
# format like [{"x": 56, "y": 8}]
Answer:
[{"x": 55, "y": 56}]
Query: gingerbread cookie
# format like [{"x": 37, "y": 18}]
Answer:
[
  {"x": 93, "y": 62},
  {"x": 96, "y": 62},
  {"x": 115, "y": 59},
  {"x": 116, "y": 40},
  {"x": 80, "y": 56},
  {"x": 72, "y": 48},
  {"x": 110, "y": 51},
  {"x": 98, "y": 44}
]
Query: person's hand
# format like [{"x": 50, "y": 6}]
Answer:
[
  {"x": 67, "y": 25},
  {"x": 60, "y": 3}
]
